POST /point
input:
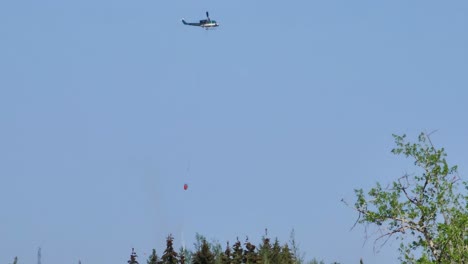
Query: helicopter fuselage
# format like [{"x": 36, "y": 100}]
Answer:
[
  {"x": 204, "y": 23},
  {"x": 211, "y": 24}
]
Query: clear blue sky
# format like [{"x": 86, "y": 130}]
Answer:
[{"x": 281, "y": 112}]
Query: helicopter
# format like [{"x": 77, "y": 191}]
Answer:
[{"x": 205, "y": 23}]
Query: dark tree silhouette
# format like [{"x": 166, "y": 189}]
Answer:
[
  {"x": 250, "y": 254},
  {"x": 170, "y": 256},
  {"x": 185, "y": 256},
  {"x": 275, "y": 253},
  {"x": 204, "y": 255},
  {"x": 286, "y": 256},
  {"x": 237, "y": 253},
  {"x": 133, "y": 257},
  {"x": 226, "y": 255},
  {"x": 265, "y": 249},
  {"x": 153, "y": 258}
]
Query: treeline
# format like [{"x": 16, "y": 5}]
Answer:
[
  {"x": 240, "y": 252},
  {"x": 269, "y": 251}
]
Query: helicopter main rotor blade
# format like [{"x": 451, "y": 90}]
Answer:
[{"x": 208, "y": 16}]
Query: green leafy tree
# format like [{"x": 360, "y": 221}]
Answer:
[
  {"x": 423, "y": 210},
  {"x": 153, "y": 258},
  {"x": 203, "y": 255},
  {"x": 170, "y": 256}
]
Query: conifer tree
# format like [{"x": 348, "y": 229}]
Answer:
[
  {"x": 170, "y": 256},
  {"x": 226, "y": 255},
  {"x": 275, "y": 253},
  {"x": 315, "y": 261},
  {"x": 265, "y": 249},
  {"x": 250, "y": 254},
  {"x": 204, "y": 255},
  {"x": 237, "y": 253},
  {"x": 297, "y": 255},
  {"x": 153, "y": 258},
  {"x": 185, "y": 256},
  {"x": 133, "y": 257},
  {"x": 182, "y": 259},
  {"x": 199, "y": 241},
  {"x": 286, "y": 256},
  {"x": 217, "y": 250}
]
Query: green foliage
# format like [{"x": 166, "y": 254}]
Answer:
[
  {"x": 212, "y": 253},
  {"x": 265, "y": 250},
  {"x": 423, "y": 210},
  {"x": 133, "y": 258},
  {"x": 170, "y": 256},
  {"x": 298, "y": 257},
  {"x": 276, "y": 252},
  {"x": 185, "y": 256},
  {"x": 215, "y": 247},
  {"x": 315, "y": 261},
  {"x": 226, "y": 255},
  {"x": 286, "y": 256},
  {"x": 153, "y": 258},
  {"x": 217, "y": 250},
  {"x": 237, "y": 253},
  {"x": 204, "y": 254},
  {"x": 250, "y": 254},
  {"x": 199, "y": 239}
]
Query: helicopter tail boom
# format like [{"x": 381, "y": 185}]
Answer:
[{"x": 190, "y": 24}]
